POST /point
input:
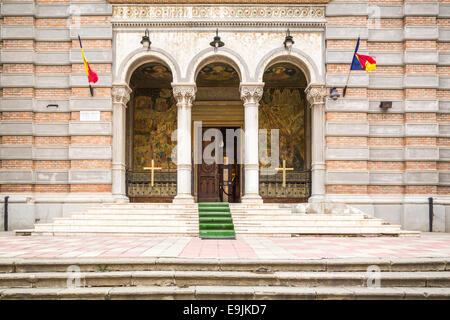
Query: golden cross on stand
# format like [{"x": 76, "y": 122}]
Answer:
[
  {"x": 284, "y": 169},
  {"x": 153, "y": 168}
]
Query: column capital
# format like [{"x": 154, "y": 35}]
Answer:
[
  {"x": 251, "y": 92},
  {"x": 121, "y": 93},
  {"x": 184, "y": 93},
  {"x": 316, "y": 93}
]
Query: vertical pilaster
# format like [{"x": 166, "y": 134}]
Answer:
[
  {"x": 120, "y": 95},
  {"x": 184, "y": 95},
  {"x": 315, "y": 94},
  {"x": 251, "y": 93}
]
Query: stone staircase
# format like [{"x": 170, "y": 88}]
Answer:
[
  {"x": 125, "y": 219},
  {"x": 176, "y": 278},
  {"x": 309, "y": 219},
  {"x": 253, "y": 220}
]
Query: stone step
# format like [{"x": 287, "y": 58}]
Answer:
[
  {"x": 270, "y": 215},
  {"x": 306, "y": 223},
  {"x": 226, "y": 292},
  {"x": 148, "y": 205},
  {"x": 115, "y": 228},
  {"x": 138, "y": 227},
  {"x": 126, "y": 222},
  {"x": 223, "y": 278},
  {"x": 157, "y": 217},
  {"x": 319, "y": 228},
  {"x": 157, "y": 233},
  {"x": 141, "y": 211},
  {"x": 37, "y": 265}
]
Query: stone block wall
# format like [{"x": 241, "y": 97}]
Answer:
[
  {"x": 390, "y": 161},
  {"x": 50, "y": 160},
  {"x": 385, "y": 162}
]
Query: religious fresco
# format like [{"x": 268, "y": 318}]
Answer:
[
  {"x": 283, "y": 107},
  {"x": 155, "y": 118},
  {"x": 152, "y": 75},
  {"x": 217, "y": 74},
  {"x": 284, "y": 75}
]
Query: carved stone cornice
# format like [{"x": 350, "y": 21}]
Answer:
[
  {"x": 121, "y": 93},
  {"x": 221, "y": 1},
  {"x": 223, "y": 14},
  {"x": 316, "y": 93},
  {"x": 251, "y": 93},
  {"x": 184, "y": 94}
]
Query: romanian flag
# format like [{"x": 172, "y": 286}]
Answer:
[
  {"x": 92, "y": 76},
  {"x": 362, "y": 62}
]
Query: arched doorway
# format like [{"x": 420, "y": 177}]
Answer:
[
  {"x": 151, "y": 121},
  {"x": 284, "y": 123},
  {"x": 218, "y": 118}
]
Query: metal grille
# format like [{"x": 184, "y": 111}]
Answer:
[
  {"x": 298, "y": 184},
  {"x": 164, "y": 186}
]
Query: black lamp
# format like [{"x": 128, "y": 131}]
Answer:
[
  {"x": 217, "y": 43},
  {"x": 288, "y": 41},
  {"x": 146, "y": 40},
  {"x": 334, "y": 94}
]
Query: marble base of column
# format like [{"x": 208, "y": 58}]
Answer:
[
  {"x": 252, "y": 199},
  {"x": 183, "y": 184},
  {"x": 183, "y": 199},
  {"x": 121, "y": 199}
]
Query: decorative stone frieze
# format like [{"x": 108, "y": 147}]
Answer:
[{"x": 217, "y": 12}]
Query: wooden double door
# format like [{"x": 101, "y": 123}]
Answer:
[{"x": 219, "y": 180}]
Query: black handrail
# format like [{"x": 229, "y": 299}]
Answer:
[
  {"x": 430, "y": 213},
  {"x": 5, "y": 221}
]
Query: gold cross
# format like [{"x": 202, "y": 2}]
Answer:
[
  {"x": 284, "y": 169},
  {"x": 153, "y": 168}
]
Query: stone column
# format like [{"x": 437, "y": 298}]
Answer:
[
  {"x": 184, "y": 95},
  {"x": 316, "y": 93},
  {"x": 251, "y": 93},
  {"x": 120, "y": 95}
]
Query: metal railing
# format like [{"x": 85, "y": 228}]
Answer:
[
  {"x": 138, "y": 184},
  {"x": 297, "y": 184}
]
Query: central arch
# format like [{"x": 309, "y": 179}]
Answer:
[{"x": 218, "y": 118}]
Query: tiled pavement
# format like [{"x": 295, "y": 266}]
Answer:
[{"x": 428, "y": 245}]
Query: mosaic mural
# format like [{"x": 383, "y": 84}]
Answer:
[
  {"x": 284, "y": 75},
  {"x": 152, "y": 75},
  {"x": 217, "y": 75},
  {"x": 155, "y": 118},
  {"x": 283, "y": 107}
]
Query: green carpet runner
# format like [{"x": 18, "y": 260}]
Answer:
[{"x": 215, "y": 221}]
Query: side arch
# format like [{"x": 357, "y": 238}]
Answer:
[
  {"x": 296, "y": 57},
  {"x": 140, "y": 56},
  {"x": 208, "y": 56}
]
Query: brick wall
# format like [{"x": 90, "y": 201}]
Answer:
[
  {"x": 52, "y": 69},
  {"x": 409, "y": 141}
]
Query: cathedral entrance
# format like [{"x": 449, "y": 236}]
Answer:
[
  {"x": 218, "y": 119},
  {"x": 219, "y": 180}
]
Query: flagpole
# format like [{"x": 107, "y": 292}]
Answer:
[
  {"x": 346, "y": 82},
  {"x": 349, "y": 72},
  {"x": 91, "y": 90}
]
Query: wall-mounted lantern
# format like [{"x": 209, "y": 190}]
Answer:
[{"x": 146, "y": 40}]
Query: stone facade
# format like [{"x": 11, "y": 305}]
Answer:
[{"x": 385, "y": 162}]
